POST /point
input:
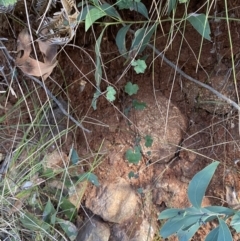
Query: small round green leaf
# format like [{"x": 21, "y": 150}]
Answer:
[
  {"x": 131, "y": 89},
  {"x": 133, "y": 156},
  {"x": 111, "y": 92},
  {"x": 148, "y": 141},
  {"x": 139, "y": 66},
  {"x": 139, "y": 105}
]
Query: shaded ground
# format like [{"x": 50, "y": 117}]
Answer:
[{"x": 207, "y": 136}]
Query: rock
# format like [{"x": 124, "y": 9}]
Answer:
[
  {"x": 56, "y": 160},
  {"x": 171, "y": 191},
  {"x": 133, "y": 230},
  {"x": 163, "y": 122},
  {"x": 114, "y": 202},
  {"x": 94, "y": 230}
]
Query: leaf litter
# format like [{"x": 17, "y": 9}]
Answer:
[{"x": 32, "y": 66}]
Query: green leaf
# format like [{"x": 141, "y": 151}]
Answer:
[
  {"x": 31, "y": 222},
  {"x": 95, "y": 98},
  {"x": 68, "y": 209},
  {"x": 131, "y": 174},
  {"x": 90, "y": 177},
  {"x": 139, "y": 105},
  {"x": 48, "y": 173},
  {"x": 134, "y": 156},
  {"x": 201, "y": 24},
  {"x": 224, "y": 233},
  {"x": 199, "y": 183},
  {"x": 148, "y": 141},
  {"x": 220, "y": 210},
  {"x": 124, "y": 4},
  {"x": 74, "y": 157},
  {"x": 93, "y": 15},
  {"x": 187, "y": 234},
  {"x": 139, "y": 7},
  {"x": 183, "y": 1},
  {"x": 169, "y": 213},
  {"x": 140, "y": 190},
  {"x": 171, "y": 226},
  {"x": 149, "y": 153},
  {"x": 82, "y": 15},
  {"x": 235, "y": 223},
  {"x": 69, "y": 228},
  {"x": 110, "y": 10},
  {"x": 171, "y": 5},
  {"x": 131, "y": 89},
  {"x": 121, "y": 40},
  {"x": 213, "y": 235},
  {"x": 141, "y": 38},
  {"x": 139, "y": 66},
  {"x": 7, "y": 5},
  {"x": 111, "y": 92},
  {"x": 49, "y": 210},
  {"x": 183, "y": 222}
]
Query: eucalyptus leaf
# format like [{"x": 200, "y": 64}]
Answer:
[
  {"x": 235, "y": 223},
  {"x": 187, "y": 234},
  {"x": 139, "y": 7},
  {"x": 213, "y": 235},
  {"x": 169, "y": 213},
  {"x": 121, "y": 40},
  {"x": 220, "y": 210},
  {"x": 199, "y": 183},
  {"x": 93, "y": 15},
  {"x": 171, "y": 5},
  {"x": 110, "y": 11},
  {"x": 172, "y": 226},
  {"x": 201, "y": 24},
  {"x": 82, "y": 15},
  {"x": 141, "y": 38},
  {"x": 224, "y": 233}
]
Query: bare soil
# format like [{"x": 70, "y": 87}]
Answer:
[{"x": 209, "y": 136}]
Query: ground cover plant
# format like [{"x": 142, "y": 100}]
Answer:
[{"x": 78, "y": 82}]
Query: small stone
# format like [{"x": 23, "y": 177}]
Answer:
[
  {"x": 94, "y": 230},
  {"x": 114, "y": 202}
]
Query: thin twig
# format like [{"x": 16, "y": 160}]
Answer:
[
  {"x": 58, "y": 103},
  {"x": 218, "y": 94}
]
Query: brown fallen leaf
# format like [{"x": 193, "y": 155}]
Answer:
[
  {"x": 48, "y": 49},
  {"x": 32, "y": 66}
]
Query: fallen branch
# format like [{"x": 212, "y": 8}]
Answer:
[{"x": 218, "y": 94}]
